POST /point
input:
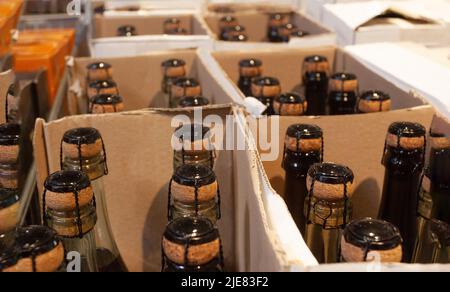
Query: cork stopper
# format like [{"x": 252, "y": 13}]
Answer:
[
  {"x": 186, "y": 87},
  {"x": 374, "y": 101},
  {"x": 194, "y": 183},
  {"x": 406, "y": 136},
  {"x": 9, "y": 143},
  {"x": 316, "y": 63},
  {"x": 286, "y": 30},
  {"x": 171, "y": 24},
  {"x": 304, "y": 138},
  {"x": 9, "y": 209},
  {"x": 234, "y": 31},
  {"x": 106, "y": 103},
  {"x": 102, "y": 87},
  {"x": 194, "y": 138},
  {"x": 174, "y": 68},
  {"x": 439, "y": 141},
  {"x": 193, "y": 101},
  {"x": 330, "y": 182},
  {"x": 278, "y": 19},
  {"x": 61, "y": 187},
  {"x": 191, "y": 241},
  {"x": 227, "y": 22},
  {"x": 40, "y": 250},
  {"x": 266, "y": 87},
  {"x": 126, "y": 31},
  {"x": 250, "y": 68},
  {"x": 99, "y": 71},
  {"x": 367, "y": 238},
  {"x": 344, "y": 82},
  {"x": 290, "y": 104},
  {"x": 84, "y": 142}
]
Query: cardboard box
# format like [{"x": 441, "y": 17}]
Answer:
[
  {"x": 255, "y": 21},
  {"x": 149, "y": 26},
  {"x": 140, "y": 163},
  {"x": 6, "y": 80},
  {"x": 139, "y": 79},
  {"x": 377, "y": 21},
  {"x": 287, "y": 65}
]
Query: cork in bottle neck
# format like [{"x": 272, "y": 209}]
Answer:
[
  {"x": 330, "y": 182},
  {"x": 344, "y": 82},
  {"x": 406, "y": 136},
  {"x": 304, "y": 138},
  {"x": 316, "y": 63},
  {"x": 127, "y": 31}
]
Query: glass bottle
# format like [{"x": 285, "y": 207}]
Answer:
[
  {"x": 172, "y": 70},
  {"x": 303, "y": 147},
  {"x": 194, "y": 191},
  {"x": 69, "y": 208},
  {"x": 240, "y": 37},
  {"x": 225, "y": 23},
  {"x": 8, "y": 259},
  {"x": 183, "y": 87},
  {"x": 193, "y": 101},
  {"x": 315, "y": 80},
  {"x": 83, "y": 150},
  {"x": 196, "y": 146},
  {"x": 171, "y": 24},
  {"x": 99, "y": 71},
  {"x": 106, "y": 103},
  {"x": 374, "y": 101},
  {"x": 233, "y": 33},
  {"x": 328, "y": 209},
  {"x": 368, "y": 239},
  {"x": 248, "y": 69},
  {"x": 102, "y": 87},
  {"x": 343, "y": 94},
  {"x": 290, "y": 104},
  {"x": 126, "y": 31},
  {"x": 191, "y": 244},
  {"x": 434, "y": 197},
  {"x": 403, "y": 159},
  {"x": 9, "y": 216},
  {"x": 9, "y": 155},
  {"x": 285, "y": 32},
  {"x": 265, "y": 89},
  {"x": 276, "y": 20},
  {"x": 39, "y": 249}
]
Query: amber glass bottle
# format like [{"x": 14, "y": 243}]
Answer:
[
  {"x": 315, "y": 81},
  {"x": 343, "y": 94},
  {"x": 248, "y": 69}
]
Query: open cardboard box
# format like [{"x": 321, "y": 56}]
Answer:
[
  {"x": 373, "y": 21},
  {"x": 139, "y": 153},
  {"x": 149, "y": 26},
  {"x": 256, "y": 21},
  {"x": 139, "y": 79},
  {"x": 287, "y": 65}
]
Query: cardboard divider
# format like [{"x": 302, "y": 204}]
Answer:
[
  {"x": 139, "y": 80},
  {"x": 6, "y": 80},
  {"x": 139, "y": 153},
  {"x": 287, "y": 66}
]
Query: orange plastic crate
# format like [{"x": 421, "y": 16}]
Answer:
[
  {"x": 5, "y": 37},
  {"x": 9, "y": 17},
  {"x": 66, "y": 36}
]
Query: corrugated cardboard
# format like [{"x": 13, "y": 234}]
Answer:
[
  {"x": 139, "y": 79},
  {"x": 286, "y": 65},
  {"x": 256, "y": 24},
  {"x": 6, "y": 80},
  {"x": 140, "y": 164},
  {"x": 359, "y": 22}
]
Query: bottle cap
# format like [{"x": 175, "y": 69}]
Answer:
[
  {"x": 290, "y": 104},
  {"x": 286, "y": 30},
  {"x": 232, "y": 32},
  {"x": 126, "y": 31},
  {"x": 266, "y": 87},
  {"x": 84, "y": 142},
  {"x": 330, "y": 182},
  {"x": 191, "y": 241},
  {"x": 174, "y": 68},
  {"x": 316, "y": 63},
  {"x": 9, "y": 143},
  {"x": 186, "y": 87},
  {"x": 344, "y": 82},
  {"x": 250, "y": 67},
  {"x": 278, "y": 19},
  {"x": 304, "y": 138},
  {"x": 102, "y": 87},
  {"x": 227, "y": 21},
  {"x": 106, "y": 103},
  {"x": 99, "y": 71},
  {"x": 374, "y": 101},
  {"x": 406, "y": 135},
  {"x": 193, "y": 101}
]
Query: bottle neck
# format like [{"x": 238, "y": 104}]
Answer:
[
  {"x": 214, "y": 266},
  {"x": 94, "y": 167},
  {"x": 404, "y": 160},
  {"x": 299, "y": 162},
  {"x": 328, "y": 215},
  {"x": 439, "y": 168}
]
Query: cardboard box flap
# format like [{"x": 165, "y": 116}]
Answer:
[{"x": 6, "y": 80}]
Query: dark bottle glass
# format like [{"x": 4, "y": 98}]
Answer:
[
  {"x": 196, "y": 147},
  {"x": 126, "y": 31},
  {"x": 171, "y": 24},
  {"x": 9, "y": 215},
  {"x": 374, "y": 101},
  {"x": 178, "y": 31},
  {"x": 183, "y": 87},
  {"x": 83, "y": 150},
  {"x": 235, "y": 33},
  {"x": 194, "y": 191},
  {"x": 248, "y": 69},
  {"x": 9, "y": 155},
  {"x": 303, "y": 148},
  {"x": 265, "y": 89},
  {"x": 328, "y": 209},
  {"x": 434, "y": 244},
  {"x": 315, "y": 81},
  {"x": 276, "y": 20},
  {"x": 290, "y": 104},
  {"x": 39, "y": 249},
  {"x": 9, "y": 257},
  {"x": 69, "y": 208},
  {"x": 241, "y": 37},
  {"x": 434, "y": 197},
  {"x": 343, "y": 94},
  {"x": 99, "y": 71},
  {"x": 192, "y": 244},
  {"x": 404, "y": 161},
  {"x": 172, "y": 70},
  {"x": 371, "y": 240},
  {"x": 100, "y": 87},
  {"x": 285, "y": 32},
  {"x": 226, "y": 23},
  {"x": 106, "y": 103},
  {"x": 193, "y": 101}
]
